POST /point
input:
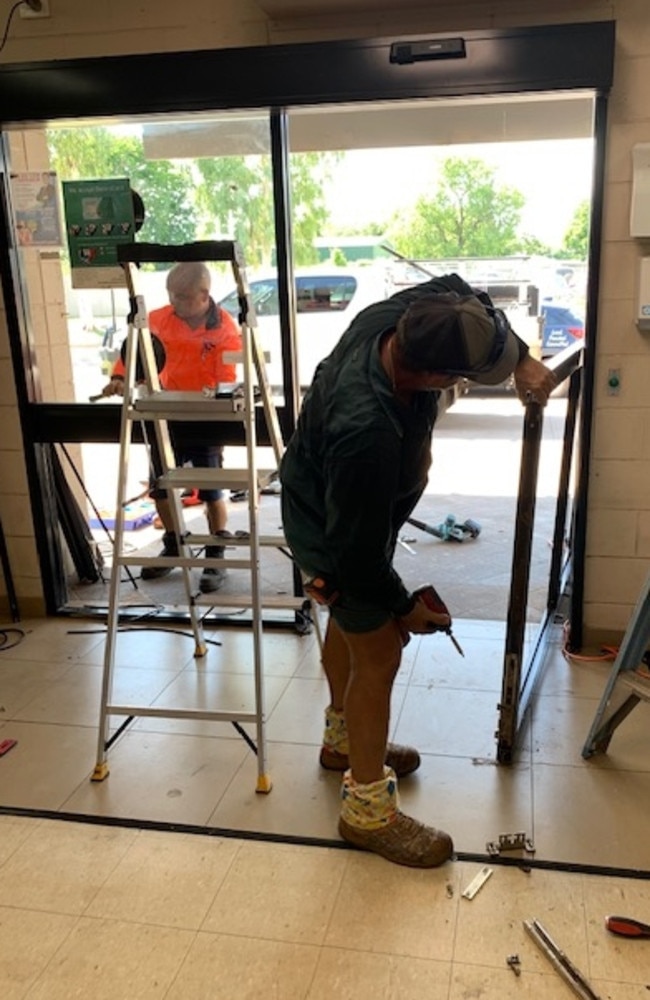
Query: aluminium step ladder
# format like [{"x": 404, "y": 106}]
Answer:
[
  {"x": 156, "y": 406},
  {"x": 626, "y": 687}
]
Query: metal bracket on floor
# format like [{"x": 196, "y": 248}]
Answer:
[{"x": 510, "y": 842}]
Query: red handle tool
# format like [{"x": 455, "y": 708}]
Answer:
[
  {"x": 432, "y": 599},
  {"x": 627, "y": 927}
]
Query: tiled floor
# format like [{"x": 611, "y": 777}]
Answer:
[{"x": 122, "y": 911}]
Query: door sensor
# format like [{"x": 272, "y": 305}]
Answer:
[{"x": 434, "y": 48}]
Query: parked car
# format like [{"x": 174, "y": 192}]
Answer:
[
  {"x": 327, "y": 300},
  {"x": 561, "y": 328}
]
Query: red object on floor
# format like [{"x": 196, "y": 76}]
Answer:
[
  {"x": 6, "y": 745},
  {"x": 190, "y": 499}
]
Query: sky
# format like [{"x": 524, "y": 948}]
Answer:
[{"x": 554, "y": 176}]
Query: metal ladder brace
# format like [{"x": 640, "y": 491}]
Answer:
[{"x": 625, "y": 687}]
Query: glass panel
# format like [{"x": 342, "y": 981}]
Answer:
[
  {"x": 497, "y": 191},
  {"x": 207, "y": 178}
]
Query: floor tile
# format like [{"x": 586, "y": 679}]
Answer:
[
  {"x": 13, "y": 831},
  {"x": 52, "y": 639},
  {"x": 445, "y": 721},
  {"x": 170, "y": 881},
  {"x": 490, "y": 926},
  {"x": 350, "y": 975},
  {"x": 595, "y": 819},
  {"x": 304, "y": 798},
  {"x": 104, "y": 959},
  {"x": 282, "y": 652},
  {"x": 611, "y": 957},
  {"x": 28, "y": 940},
  {"x": 46, "y": 765},
  {"x": 75, "y": 698},
  {"x": 480, "y": 981},
  {"x": 172, "y": 779},
  {"x": 299, "y": 715},
  {"x": 61, "y": 866},
  {"x": 23, "y": 680},
  {"x": 439, "y": 665},
  {"x": 412, "y": 911},
  {"x": 245, "y": 968},
  {"x": 494, "y": 799},
  {"x": 264, "y": 893},
  {"x": 562, "y": 725},
  {"x": 214, "y": 691}
]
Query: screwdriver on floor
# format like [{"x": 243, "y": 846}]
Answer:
[
  {"x": 432, "y": 599},
  {"x": 627, "y": 927}
]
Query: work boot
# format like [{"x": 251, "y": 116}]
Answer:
[
  {"x": 212, "y": 579},
  {"x": 170, "y": 548},
  {"x": 334, "y": 752},
  {"x": 403, "y": 760},
  {"x": 371, "y": 819}
]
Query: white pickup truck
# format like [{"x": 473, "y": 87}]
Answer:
[{"x": 327, "y": 300}]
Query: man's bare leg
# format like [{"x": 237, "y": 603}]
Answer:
[
  {"x": 374, "y": 661},
  {"x": 217, "y": 515},
  {"x": 353, "y": 662},
  {"x": 370, "y": 813}
]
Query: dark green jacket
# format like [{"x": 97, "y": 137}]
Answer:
[{"x": 358, "y": 461}]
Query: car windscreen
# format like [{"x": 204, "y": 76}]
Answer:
[{"x": 314, "y": 293}]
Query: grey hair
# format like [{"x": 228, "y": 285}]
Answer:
[{"x": 190, "y": 275}]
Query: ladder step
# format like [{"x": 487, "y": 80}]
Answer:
[
  {"x": 200, "y": 478},
  {"x": 233, "y": 541},
  {"x": 270, "y": 601},
  {"x": 168, "y": 404},
  {"x": 192, "y": 562},
  {"x": 179, "y": 713},
  {"x": 638, "y": 684}
]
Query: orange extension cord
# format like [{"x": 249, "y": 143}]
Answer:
[{"x": 607, "y": 654}]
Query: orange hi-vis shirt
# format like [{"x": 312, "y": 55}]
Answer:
[{"x": 193, "y": 358}]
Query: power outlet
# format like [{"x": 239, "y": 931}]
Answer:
[{"x": 26, "y": 11}]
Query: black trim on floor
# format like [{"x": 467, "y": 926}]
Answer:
[{"x": 525, "y": 864}]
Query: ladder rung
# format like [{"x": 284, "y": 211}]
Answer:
[
  {"x": 203, "y": 478},
  {"x": 638, "y": 684},
  {"x": 270, "y": 601},
  {"x": 192, "y": 562},
  {"x": 231, "y": 541},
  {"x": 169, "y": 403},
  {"x": 179, "y": 713}
]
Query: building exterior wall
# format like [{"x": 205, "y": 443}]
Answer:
[{"x": 618, "y": 540}]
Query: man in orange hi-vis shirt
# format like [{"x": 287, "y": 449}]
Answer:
[{"x": 194, "y": 332}]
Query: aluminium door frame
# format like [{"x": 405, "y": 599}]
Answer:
[{"x": 524, "y": 60}]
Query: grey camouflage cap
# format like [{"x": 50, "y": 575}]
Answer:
[{"x": 458, "y": 335}]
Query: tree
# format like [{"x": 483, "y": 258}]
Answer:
[
  {"x": 236, "y": 198},
  {"x": 166, "y": 187},
  {"x": 576, "y": 238},
  {"x": 468, "y": 216}
]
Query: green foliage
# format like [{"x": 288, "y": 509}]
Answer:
[
  {"x": 236, "y": 202},
  {"x": 338, "y": 258},
  {"x": 468, "y": 216},
  {"x": 165, "y": 187},
  {"x": 227, "y": 197},
  {"x": 576, "y": 238}
]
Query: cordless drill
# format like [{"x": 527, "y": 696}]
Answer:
[{"x": 434, "y": 602}]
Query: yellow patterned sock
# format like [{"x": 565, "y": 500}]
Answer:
[
  {"x": 370, "y": 807},
  {"x": 335, "y": 736}
]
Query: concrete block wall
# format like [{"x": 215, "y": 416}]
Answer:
[{"x": 619, "y": 516}]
